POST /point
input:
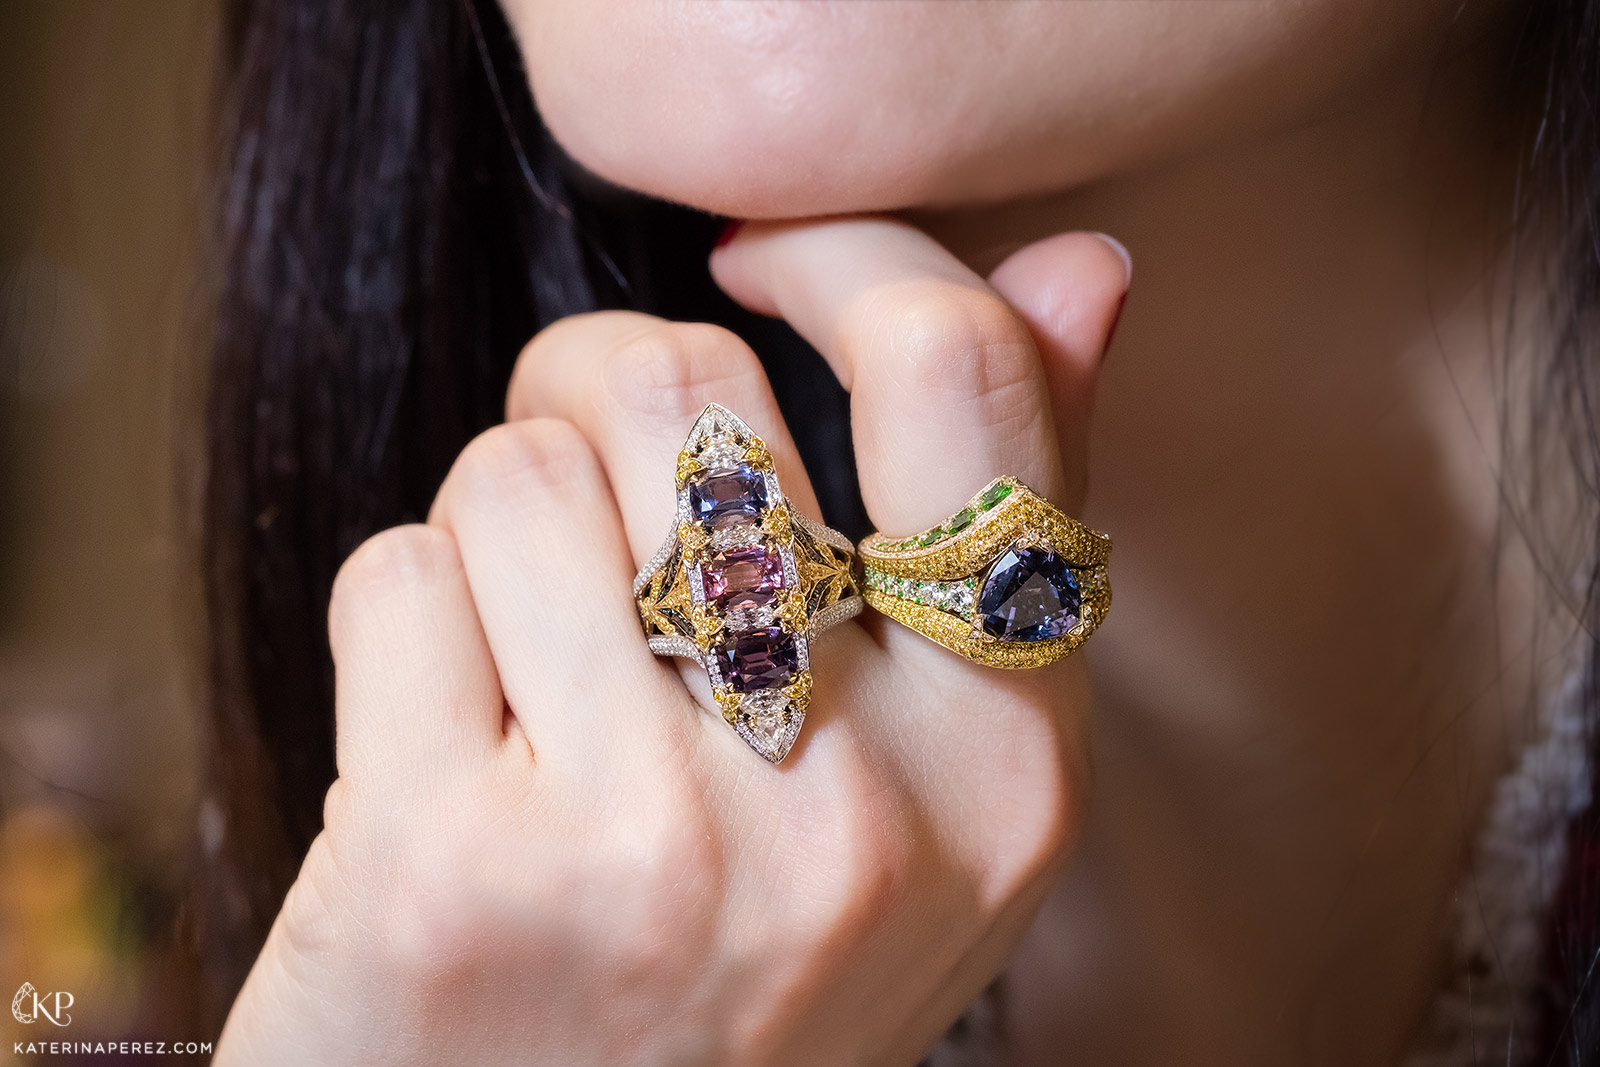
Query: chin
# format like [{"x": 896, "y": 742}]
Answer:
[
  {"x": 732, "y": 116},
  {"x": 717, "y": 107},
  {"x": 755, "y": 163},
  {"x": 763, "y": 110},
  {"x": 798, "y": 167}
]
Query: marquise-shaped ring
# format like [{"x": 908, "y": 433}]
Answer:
[
  {"x": 1008, "y": 581},
  {"x": 744, "y": 583}
]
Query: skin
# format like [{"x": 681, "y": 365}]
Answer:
[
  {"x": 756, "y": 109},
  {"x": 1293, "y": 436},
  {"x": 539, "y": 824}
]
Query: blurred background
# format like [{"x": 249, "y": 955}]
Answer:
[{"x": 104, "y": 144}]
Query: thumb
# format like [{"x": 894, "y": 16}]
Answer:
[{"x": 1069, "y": 289}]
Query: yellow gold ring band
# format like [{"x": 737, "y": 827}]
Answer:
[{"x": 1008, "y": 581}]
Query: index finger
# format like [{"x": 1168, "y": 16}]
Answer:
[{"x": 948, "y": 390}]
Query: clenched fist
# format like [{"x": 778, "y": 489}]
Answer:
[{"x": 546, "y": 846}]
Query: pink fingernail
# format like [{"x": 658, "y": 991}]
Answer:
[{"x": 1122, "y": 252}]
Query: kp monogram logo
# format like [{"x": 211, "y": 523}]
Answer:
[{"x": 29, "y": 1005}]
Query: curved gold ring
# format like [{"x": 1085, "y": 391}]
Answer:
[
  {"x": 744, "y": 583},
  {"x": 1008, "y": 581}
]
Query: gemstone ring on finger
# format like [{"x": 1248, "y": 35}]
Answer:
[
  {"x": 1008, "y": 581},
  {"x": 744, "y": 583}
]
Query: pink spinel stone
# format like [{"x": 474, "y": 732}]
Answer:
[{"x": 747, "y": 577}]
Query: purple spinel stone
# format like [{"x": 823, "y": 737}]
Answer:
[
  {"x": 758, "y": 659},
  {"x": 747, "y": 577},
  {"x": 728, "y": 495},
  {"x": 1029, "y": 595}
]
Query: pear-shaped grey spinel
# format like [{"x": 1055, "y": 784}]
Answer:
[{"x": 1030, "y": 595}]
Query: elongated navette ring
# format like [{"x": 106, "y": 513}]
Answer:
[
  {"x": 1008, "y": 581},
  {"x": 744, "y": 583}
]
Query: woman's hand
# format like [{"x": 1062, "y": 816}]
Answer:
[{"x": 546, "y": 846}]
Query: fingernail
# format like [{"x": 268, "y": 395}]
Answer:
[
  {"x": 1121, "y": 250},
  {"x": 730, "y": 230},
  {"x": 1116, "y": 320}
]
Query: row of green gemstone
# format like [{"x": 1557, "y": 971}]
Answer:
[{"x": 958, "y": 522}]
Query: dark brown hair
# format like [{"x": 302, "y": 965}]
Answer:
[
  {"x": 394, "y": 224},
  {"x": 1555, "y": 68}
]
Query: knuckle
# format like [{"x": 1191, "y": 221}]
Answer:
[
  {"x": 309, "y": 923},
  {"x": 666, "y": 861},
  {"x": 953, "y": 342},
  {"x": 409, "y": 893},
  {"x": 541, "y": 455},
  {"x": 668, "y": 371},
  {"x": 564, "y": 340},
  {"x": 396, "y": 560},
  {"x": 400, "y": 554},
  {"x": 863, "y": 871},
  {"x": 640, "y": 888},
  {"x": 435, "y": 905},
  {"x": 1031, "y": 824},
  {"x": 674, "y": 845},
  {"x": 339, "y": 808}
]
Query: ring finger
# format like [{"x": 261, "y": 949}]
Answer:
[{"x": 633, "y": 384}]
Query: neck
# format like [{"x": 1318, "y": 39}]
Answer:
[
  {"x": 1291, "y": 449},
  {"x": 1313, "y": 216}
]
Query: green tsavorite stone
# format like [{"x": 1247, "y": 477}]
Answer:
[
  {"x": 993, "y": 495},
  {"x": 961, "y": 520}
]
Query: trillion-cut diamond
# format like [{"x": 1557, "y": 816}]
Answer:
[
  {"x": 1030, "y": 595},
  {"x": 768, "y": 723},
  {"x": 766, "y": 730},
  {"x": 721, "y": 452}
]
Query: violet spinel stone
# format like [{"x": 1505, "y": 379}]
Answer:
[
  {"x": 758, "y": 659},
  {"x": 747, "y": 577},
  {"x": 728, "y": 495},
  {"x": 1030, "y": 595}
]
